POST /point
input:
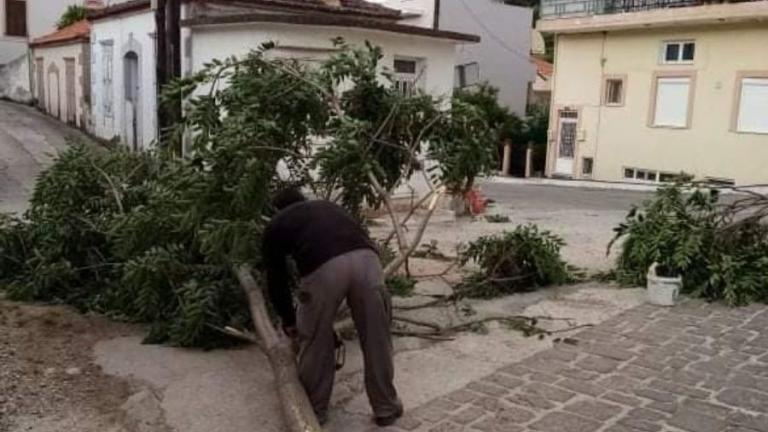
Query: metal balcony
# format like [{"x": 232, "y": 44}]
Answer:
[{"x": 551, "y": 9}]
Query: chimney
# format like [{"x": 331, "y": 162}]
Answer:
[
  {"x": 94, "y": 4},
  {"x": 332, "y": 3}
]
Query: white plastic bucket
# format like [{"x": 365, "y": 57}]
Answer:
[{"x": 663, "y": 291}]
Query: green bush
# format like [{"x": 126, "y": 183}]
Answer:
[
  {"x": 720, "y": 250},
  {"x": 514, "y": 261}
]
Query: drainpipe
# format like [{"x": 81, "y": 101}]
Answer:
[
  {"x": 603, "y": 60},
  {"x": 436, "y": 17},
  {"x": 553, "y": 117}
]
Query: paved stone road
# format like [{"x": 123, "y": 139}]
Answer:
[
  {"x": 28, "y": 141},
  {"x": 696, "y": 368}
]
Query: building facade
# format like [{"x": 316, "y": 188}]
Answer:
[
  {"x": 123, "y": 69},
  {"x": 22, "y": 21},
  {"x": 61, "y": 73},
  {"x": 642, "y": 93},
  {"x": 502, "y": 58}
]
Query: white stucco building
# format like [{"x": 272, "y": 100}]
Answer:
[
  {"x": 501, "y": 58},
  {"x": 123, "y": 85},
  {"x": 22, "y": 21},
  {"x": 61, "y": 73},
  {"x": 421, "y": 57},
  {"x": 123, "y": 61}
]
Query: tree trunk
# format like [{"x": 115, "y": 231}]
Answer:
[{"x": 297, "y": 411}]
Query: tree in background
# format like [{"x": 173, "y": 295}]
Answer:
[
  {"x": 506, "y": 126},
  {"x": 71, "y": 15}
]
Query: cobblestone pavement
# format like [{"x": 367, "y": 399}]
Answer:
[{"x": 696, "y": 367}]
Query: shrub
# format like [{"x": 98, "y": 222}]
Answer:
[
  {"x": 514, "y": 261},
  {"x": 71, "y": 15}
]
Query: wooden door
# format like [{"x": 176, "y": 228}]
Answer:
[
  {"x": 71, "y": 94},
  {"x": 40, "y": 74}
]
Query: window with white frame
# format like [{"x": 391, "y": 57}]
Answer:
[
  {"x": 407, "y": 76},
  {"x": 614, "y": 91},
  {"x": 467, "y": 75},
  {"x": 107, "y": 58},
  {"x": 678, "y": 52},
  {"x": 672, "y": 99},
  {"x": 753, "y": 106},
  {"x": 648, "y": 175}
]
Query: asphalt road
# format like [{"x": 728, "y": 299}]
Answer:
[
  {"x": 556, "y": 198},
  {"x": 28, "y": 142}
]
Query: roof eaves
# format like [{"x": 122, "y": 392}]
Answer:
[
  {"x": 332, "y": 21},
  {"x": 119, "y": 9}
]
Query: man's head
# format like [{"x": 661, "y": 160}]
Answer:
[{"x": 287, "y": 197}]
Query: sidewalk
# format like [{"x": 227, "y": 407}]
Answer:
[
  {"x": 695, "y": 367},
  {"x": 602, "y": 185}
]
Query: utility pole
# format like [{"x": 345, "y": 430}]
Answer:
[{"x": 168, "y": 59}]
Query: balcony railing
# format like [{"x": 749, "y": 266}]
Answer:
[{"x": 574, "y": 8}]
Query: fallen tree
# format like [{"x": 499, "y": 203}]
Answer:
[{"x": 151, "y": 237}]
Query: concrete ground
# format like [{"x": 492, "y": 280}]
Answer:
[
  {"x": 583, "y": 217},
  {"x": 693, "y": 368},
  {"x": 28, "y": 140}
]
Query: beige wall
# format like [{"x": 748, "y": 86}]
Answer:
[{"x": 618, "y": 137}]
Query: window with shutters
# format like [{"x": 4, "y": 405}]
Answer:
[
  {"x": 671, "y": 101},
  {"x": 752, "y": 107},
  {"x": 408, "y": 75},
  {"x": 15, "y": 18},
  {"x": 107, "y": 70},
  {"x": 613, "y": 90},
  {"x": 467, "y": 75}
]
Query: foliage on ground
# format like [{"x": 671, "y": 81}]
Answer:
[
  {"x": 149, "y": 237},
  {"x": 520, "y": 260},
  {"x": 721, "y": 250}
]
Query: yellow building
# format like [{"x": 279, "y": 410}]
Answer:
[{"x": 645, "y": 90}]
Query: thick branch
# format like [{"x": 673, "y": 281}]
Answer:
[
  {"x": 410, "y": 213},
  {"x": 401, "y": 239},
  {"x": 397, "y": 262},
  {"x": 297, "y": 411}
]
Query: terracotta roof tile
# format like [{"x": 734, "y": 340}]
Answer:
[
  {"x": 543, "y": 67},
  {"x": 346, "y": 7},
  {"x": 80, "y": 30}
]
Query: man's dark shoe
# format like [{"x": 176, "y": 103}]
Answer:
[{"x": 389, "y": 420}]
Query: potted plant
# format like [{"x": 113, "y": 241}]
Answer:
[
  {"x": 663, "y": 285},
  {"x": 667, "y": 242}
]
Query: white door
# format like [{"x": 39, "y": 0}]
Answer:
[
  {"x": 568, "y": 122},
  {"x": 132, "y": 93}
]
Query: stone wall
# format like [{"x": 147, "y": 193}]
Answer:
[{"x": 14, "y": 80}]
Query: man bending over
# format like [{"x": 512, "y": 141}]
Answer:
[{"x": 336, "y": 260}]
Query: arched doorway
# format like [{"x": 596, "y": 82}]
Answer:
[{"x": 132, "y": 110}]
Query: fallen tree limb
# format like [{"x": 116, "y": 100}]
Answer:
[
  {"x": 297, "y": 411},
  {"x": 397, "y": 262},
  {"x": 418, "y": 323},
  {"x": 428, "y": 336},
  {"x": 529, "y": 323}
]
